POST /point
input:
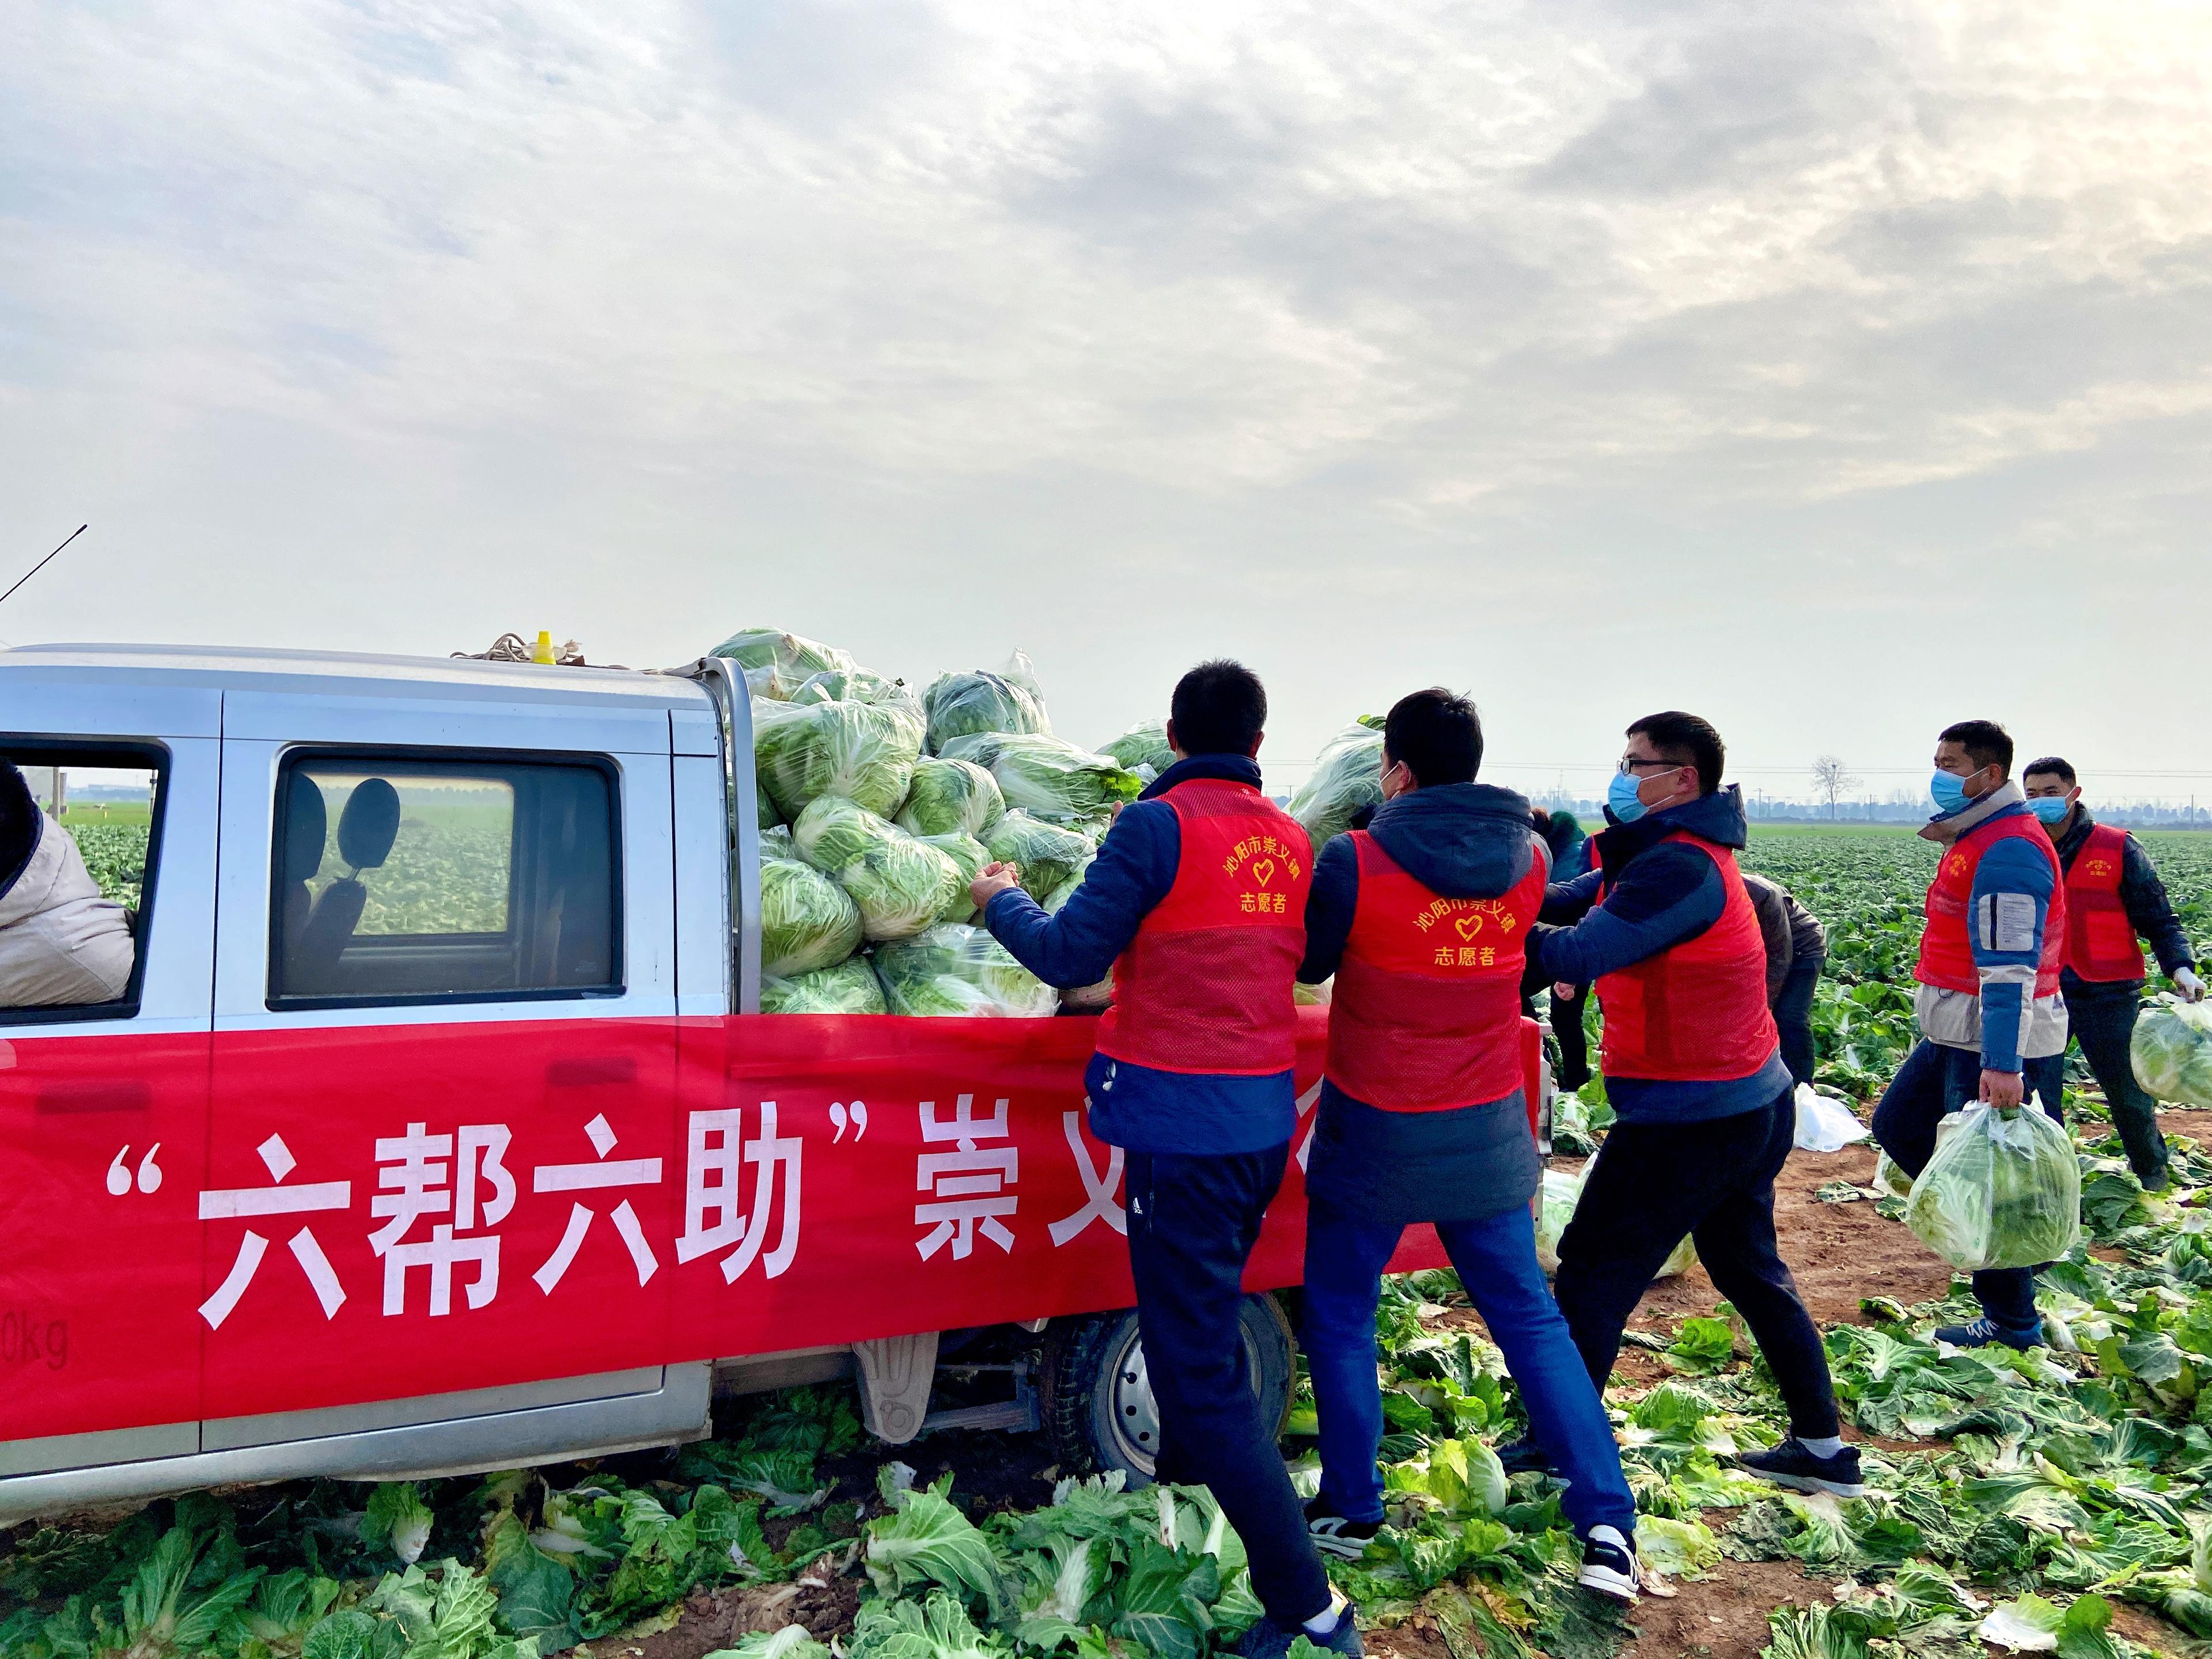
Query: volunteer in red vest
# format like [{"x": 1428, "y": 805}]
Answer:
[
  {"x": 1693, "y": 1071},
  {"x": 1423, "y": 917},
  {"x": 1988, "y": 997},
  {"x": 1197, "y": 902},
  {"x": 2113, "y": 897}
]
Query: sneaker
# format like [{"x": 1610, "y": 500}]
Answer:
[
  {"x": 1332, "y": 1535},
  {"x": 1793, "y": 1464},
  {"x": 1984, "y": 1331},
  {"x": 1609, "y": 1564},
  {"x": 1524, "y": 1456},
  {"x": 1268, "y": 1640}
]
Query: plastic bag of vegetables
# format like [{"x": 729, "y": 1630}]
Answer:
[
  {"x": 850, "y": 988},
  {"x": 861, "y": 750},
  {"x": 1048, "y": 778},
  {"x": 807, "y": 920},
  {"x": 775, "y": 842},
  {"x": 1889, "y": 1179},
  {"x": 949, "y": 795},
  {"x": 2002, "y": 1190},
  {"x": 2172, "y": 1052},
  {"x": 900, "y": 884},
  {"x": 958, "y": 705},
  {"x": 1143, "y": 745},
  {"x": 1100, "y": 994},
  {"x": 951, "y": 970},
  {"x": 777, "y": 664},
  {"x": 1556, "y": 1200},
  {"x": 968, "y": 857},
  {"x": 1347, "y": 777},
  {"x": 858, "y": 685},
  {"x": 1045, "y": 856}
]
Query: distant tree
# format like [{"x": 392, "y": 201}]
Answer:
[{"x": 1831, "y": 778}]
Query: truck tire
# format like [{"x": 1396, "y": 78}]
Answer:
[{"x": 1097, "y": 1402}]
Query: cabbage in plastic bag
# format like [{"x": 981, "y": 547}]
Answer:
[
  {"x": 958, "y": 705},
  {"x": 1889, "y": 1179},
  {"x": 863, "y": 751},
  {"x": 956, "y": 970},
  {"x": 775, "y": 842},
  {"x": 949, "y": 795},
  {"x": 1100, "y": 994},
  {"x": 1556, "y": 1200},
  {"x": 899, "y": 882},
  {"x": 1044, "y": 856},
  {"x": 1144, "y": 744},
  {"x": 968, "y": 857},
  {"x": 850, "y": 988},
  {"x": 777, "y": 664},
  {"x": 807, "y": 922},
  {"x": 1347, "y": 778},
  {"x": 859, "y": 685},
  {"x": 1049, "y": 779},
  {"x": 2002, "y": 1190},
  {"x": 2171, "y": 1053}
]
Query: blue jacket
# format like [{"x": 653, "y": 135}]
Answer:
[
  {"x": 1662, "y": 895},
  {"x": 2007, "y": 913},
  {"x": 1139, "y": 1107},
  {"x": 1463, "y": 841}
]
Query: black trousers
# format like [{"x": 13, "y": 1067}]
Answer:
[
  {"x": 1574, "y": 1043},
  {"x": 1193, "y": 1222},
  {"x": 1715, "y": 1181},
  {"x": 2102, "y": 1017}
]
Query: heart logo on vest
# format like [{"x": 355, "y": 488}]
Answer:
[
  {"x": 1468, "y": 925},
  {"x": 1263, "y": 870}
]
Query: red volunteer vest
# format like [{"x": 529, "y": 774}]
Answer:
[
  {"x": 2101, "y": 941},
  {"x": 1426, "y": 1015},
  {"x": 1947, "y": 948},
  {"x": 1205, "y": 985},
  {"x": 1697, "y": 1012}
]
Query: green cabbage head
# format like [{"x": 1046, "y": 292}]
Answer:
[
  {"x": 1346, "y": 776},
  {"x": 1048, "y": 778},
  {"x": 952, "y": 969},
  {"x": 900, "y": 884},
  {"x": 861, "y": 750},
  {"x": 949, "y": 795},
  {"x": 2171, "y": 1053},
  {"x": 777, "y": 664},
  {"x": 1045, "y": 857},
  {"x": 959, "y": 704},
  {"x": 849, "y": 987},
  {"x": 968, "y": 857},
  {"x": 807, "y": 922},
  {"x": 1144, "y": 744}
]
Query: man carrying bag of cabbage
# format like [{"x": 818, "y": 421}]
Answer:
[
  {"x": 2004, "y": 1198},
  {"x": 1197, "y": 903}
]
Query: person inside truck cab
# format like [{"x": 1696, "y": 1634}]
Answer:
[
  {"x": 1197, "y": 902},
  {"x": 61, "y": 942}
]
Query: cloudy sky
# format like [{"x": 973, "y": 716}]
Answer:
[{"x": 1836, "y": 370}]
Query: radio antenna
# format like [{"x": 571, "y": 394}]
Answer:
[{"x": 43, "y": 563}]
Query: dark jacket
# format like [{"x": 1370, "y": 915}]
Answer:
[
  {"x": 2141, "y": 894},
  {"x": 1461, "y": 841},
  {"x": 1569, "y": 846},
  {"x": 1793, "y": 933},
  {"x": 1662, "y": 895},
  {"x": 1139, "y": 1107}
]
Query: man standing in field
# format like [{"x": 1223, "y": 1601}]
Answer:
[
  {"x": 1197, "y": 902},
  {"x": 2112, "y": 897},
  {"x": 1988, "y": 999},
  {"x": 1424, "y": 918},
  {"x": 1693, "y": 1071}
]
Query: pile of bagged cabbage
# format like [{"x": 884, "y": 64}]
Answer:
[{"x": 877, "y": 807}]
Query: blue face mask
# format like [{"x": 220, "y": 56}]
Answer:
[
  {"x": 2052, "y": 808},
  {"x": 1621, "y": 795},
  {"x": 1949, "y": 791}
]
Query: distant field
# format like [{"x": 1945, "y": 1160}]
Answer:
[{"x": 135, "y": 812}]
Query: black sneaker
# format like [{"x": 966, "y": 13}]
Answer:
[
  {"x": 1524, "y": 1456},
  {"x": 1268, "y": 1640},
  {"x": 1332, "y": 1535},
  {"x": 1792, "y": 1464},
  {"x": 1982, "y": 1332},
  {"x": 1609, "y": 1564}
]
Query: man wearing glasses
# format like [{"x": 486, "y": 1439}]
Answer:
[{"x": 1693, "y": 1071}]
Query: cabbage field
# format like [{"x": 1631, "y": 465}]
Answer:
[{"x": 2059, "y": 1501}]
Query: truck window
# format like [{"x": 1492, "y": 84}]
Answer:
[
  {"x": 405, "y": 880},
  {"x": 77, "y": 829}
]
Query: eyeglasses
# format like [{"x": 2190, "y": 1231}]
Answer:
[{"x": 1628, "y": 765}]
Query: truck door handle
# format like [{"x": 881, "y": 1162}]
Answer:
[{"x": 583, "y": 1071}]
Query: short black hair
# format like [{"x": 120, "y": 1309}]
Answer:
[
  {"x": 1438, "y": 734},
  {"x": 2051, "y": 763},
  {"x": 1218, "y": 709},
  {"x": 1986, "y": 743},
  {"x": 1688, "y": 741},
  {"x": 1541, "y": 819}
]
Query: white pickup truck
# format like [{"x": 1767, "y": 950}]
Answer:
[{"x": 437, "y": 1129}]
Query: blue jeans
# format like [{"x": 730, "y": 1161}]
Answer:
[
  {"x": 1936, "y": 1079},
  {"x": 1497, "y": 1263}
]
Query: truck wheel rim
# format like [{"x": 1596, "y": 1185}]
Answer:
[{"x": 1135, "y": 1414}]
